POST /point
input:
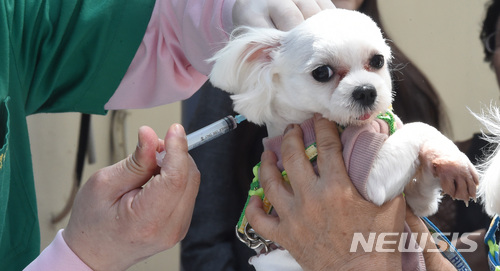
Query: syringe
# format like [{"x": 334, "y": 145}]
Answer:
[{"x": 208, "y": 133}]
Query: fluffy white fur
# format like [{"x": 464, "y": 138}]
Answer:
[
  {"x": 489, "y": 187},
  {"x": 269, "y": 72}
]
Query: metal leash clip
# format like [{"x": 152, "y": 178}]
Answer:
[
  {"x": 244, "y": 231},
  {"x": 252, "y": 239}
]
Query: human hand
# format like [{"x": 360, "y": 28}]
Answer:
[
  {"x": 433, "y": 258},
  {"x": 133, "y": 209},
  {"x": 318, "y": 215},
  {"x": 280, "y": 14}
]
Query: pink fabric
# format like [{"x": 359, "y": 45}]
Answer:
[
  {"x": 58, "y": 257},
  {"x": 360, "y": 147},
  {"x": 412, "y": 260},
  {"x": 170, "y": 63},
  {"x": 274, "y": 144}
]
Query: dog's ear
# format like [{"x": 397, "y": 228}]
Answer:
[
  {"x": 248, "y": 53},
  {"x": 245, "y": 68}
]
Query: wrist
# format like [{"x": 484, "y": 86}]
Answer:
[{"x": 93, "y": 254}]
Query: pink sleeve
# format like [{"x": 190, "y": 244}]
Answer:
[
  {"x": 360, "y": 147},
  {"x": 170, "y": 64},
  {"x": 58, "y": 257}
]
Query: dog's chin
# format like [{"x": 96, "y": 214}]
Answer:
[{"x": 363, "y": 119}]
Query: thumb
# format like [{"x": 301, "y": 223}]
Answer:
[{"x": 137, "y": 168}]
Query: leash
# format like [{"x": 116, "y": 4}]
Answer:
[
  {"x": 450, "y": 253},
  {"x": 490, "y": 241}
]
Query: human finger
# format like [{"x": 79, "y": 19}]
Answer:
[
  {"x": 254, "y": 20},
  {"x": 266, "y": 225},
  {"x": 285, "y": 14},
  {"x": 176, "y": 225},
  {"x": 185, "y": 206},
  {"x": 175, "y": 144},
  {"x": 165, "y": 191},
  {"x": 325, "y": 4},
  {"x": 330, "y": 160},
  {"x": 253, "y": 13},
  {"x": 193, "y": 184},
  {"x": 295, "y": 161},
  {"x": 175, "y": 164},
  {"x": 272, "y": 182},
  {"x": 307, "y": 8},
  {"x": 136, "y": 169}
]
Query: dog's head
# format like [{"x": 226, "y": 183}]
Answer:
[{"x": 335, "y": 63}]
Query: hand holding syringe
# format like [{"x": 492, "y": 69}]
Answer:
[{"x": 208, "y": 133}]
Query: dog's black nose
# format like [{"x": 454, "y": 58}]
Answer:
[{"x": 365, "y": 94}]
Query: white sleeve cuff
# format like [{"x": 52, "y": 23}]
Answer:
[{"x": 276, "y": 260}]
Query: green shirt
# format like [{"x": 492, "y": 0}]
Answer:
[{"x": 55, "y": 56}]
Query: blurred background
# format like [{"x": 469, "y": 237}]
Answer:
[{"x": 441, "y": 37}]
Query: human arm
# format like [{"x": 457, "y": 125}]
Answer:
[
  {"x": 133, "y": 209},
  {"x": 310, "y": 207},
  {"x": 170, "y": 64},
  {"x": 79, "y": 51}
]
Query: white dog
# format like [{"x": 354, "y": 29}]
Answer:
[
  {"x": 489, "y": 188},
  {"x": 336, "y": 63}
]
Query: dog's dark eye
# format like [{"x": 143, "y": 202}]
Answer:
[
  {"x": 322, "y": 73},
  {"x": 377, "y": 61}
]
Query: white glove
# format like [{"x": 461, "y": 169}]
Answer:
[{"x": 280, "y": 14}]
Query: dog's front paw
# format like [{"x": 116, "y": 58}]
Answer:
[{"x": 458, "y": 177}]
